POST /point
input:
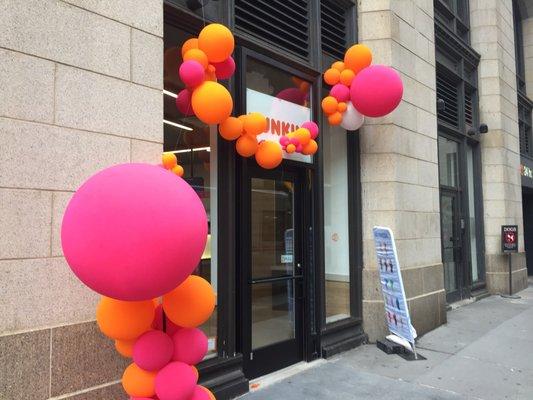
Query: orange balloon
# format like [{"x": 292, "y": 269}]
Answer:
[
  {"x": 303, "y": 135},
  {"x": 310, "y": 148},
  {"x": 231, "y": 128},
  {"x": 338, "y": 65},
  {"x": 246, "y": 145},
  {"x": 189, "y": 44},
  {"x": 269, "y": 154},
  {"x": 195, "y": 370},
  {"x": 329, "y": 104},
  {"x": 357, "y": 57},
  {"x": 211, "y": 102},
  {"x": 178, "y": 170},
  {"x": 196, "y": 55},
  {"x": 191, "y": 303},
  {"x": 169, "y": 160},
  {"x": 209, "y": 393},
  {"x": 125, "y": 347},
  {"x": 332, "y": 76},
  {"x": 341, "y": 107},
  {"x": 335, "y": 118},
  {"x": 304, "y": 87},
  {"x": 210, "y": 74},
  {"x": 347, "y": 77},
  {"x": 290, "y": 148},
  {"x": 138, "y": 382},
  {"x": 125, "y": 320},
  {"x": 255, "y": 123},
  {"x": 217, "y": 42}
]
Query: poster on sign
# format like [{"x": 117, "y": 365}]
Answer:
[
  {"x": 282, "y": 117},
  {"x": 396, "y": 311}
]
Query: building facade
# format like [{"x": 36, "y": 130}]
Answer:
[{"x": 87, "y": 84}]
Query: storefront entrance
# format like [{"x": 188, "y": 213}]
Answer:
[{"x": 273, "y": 270}]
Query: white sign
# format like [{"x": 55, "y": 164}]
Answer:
[
  {"x": 396, "y": 311},
  {"x": 282, "y": 117}
]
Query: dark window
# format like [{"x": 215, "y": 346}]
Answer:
[
  {"x": 524, "y": 125},
  {"x": 334, "y": 27},
  {"x": 519, "y": 48},
  {"x": 454, "y": 14},
  {"x": 283, "y": 23}
]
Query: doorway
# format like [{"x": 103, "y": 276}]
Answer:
[{"x": 272, "y": 285}]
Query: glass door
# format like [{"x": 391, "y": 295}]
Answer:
[
  {"x": 451, "y": 244},
  {"x": 272, "y": 326}
]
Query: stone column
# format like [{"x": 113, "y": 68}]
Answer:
[
  {"x": 399, "y": 164},
  {"x": 527, "y": 31},
  {"x": 492, "y": 35},
  {"x": 80, "y": 90}
]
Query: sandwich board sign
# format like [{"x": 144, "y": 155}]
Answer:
[{"x": 396, "y": 311}]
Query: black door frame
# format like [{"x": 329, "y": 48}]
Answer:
[{"x": 273, "y": 357}]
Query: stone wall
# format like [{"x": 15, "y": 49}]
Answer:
[
  {"x": 80, "y": 89},
  {"x": 527, "y": 30},
  {"x": 492, "y": 36},
  {"x": 399, "y": 164}
]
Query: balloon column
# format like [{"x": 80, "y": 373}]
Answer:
[
  {"x": 134, "y": 233},
  {"x": 302, "y": 140},
  {"x": 206, "y": 59},
  {"x": 360, "y": 89}
]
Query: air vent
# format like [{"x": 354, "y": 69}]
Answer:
[
  {"x": 334, "y": 28},
  {"x": 282, "y": 23},
  {"x": 525, "y": 133},
  {"x": 447, "y": 91},
  {"x": 469, "y": 116},
  {"x": 524, "y": 125}
]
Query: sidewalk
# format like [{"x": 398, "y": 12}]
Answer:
[{"x": 484, "y": 352}]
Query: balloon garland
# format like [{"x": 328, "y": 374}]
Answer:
[
  {"x": 207, "y": 59},
  {"x": 360, "y": 89},
  {"x": 134, "y": 233}
]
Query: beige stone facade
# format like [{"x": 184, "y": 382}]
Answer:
[
  {"x": 80, "y": 89},
  {"x": 492, "y": 35}
]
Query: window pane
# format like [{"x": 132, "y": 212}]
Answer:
[
  {"x": 194, "y": 144},
  {"x": 476, "y": 273},
  {"x": 336, "y": 234},
  {"x": 448, "y": 158}
]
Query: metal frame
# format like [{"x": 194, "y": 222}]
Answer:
[{"x": 224, "y": 372}]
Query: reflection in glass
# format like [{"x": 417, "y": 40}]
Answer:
[
  {"x": 448, "y": 161},
  {"x": 273, "y": 318},
  {"x": 272, "y": 228},
  {"x": 476, "y": 275},
  {"x": 336, "y": 234},
  {"x": 194, "y": 144},
  {"x": 447, "y": 210}
]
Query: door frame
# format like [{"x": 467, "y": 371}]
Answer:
[{"x": 301, "y": 222}]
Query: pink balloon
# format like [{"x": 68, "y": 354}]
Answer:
[
  {"x": 199, "y": 394},
  {"x": 134, "y": 231},
  {"x": 284, "y": 140},
  {"x": 225, "y": 69},
  {"x": 190, "y": 345},
  {"x": 176, "y": 381},
  {"x": 311, "y": 127},
  {"x": 192, "y": 73},
  {"x": 183, "y": 103},
  {"x": 294, "y": 95},
  {"x": 171, "y": 327},
  {"x": 153, "y": 350},
  {"x": 141, "y": 398},
  {"x": 376, "y": 90},
  {"x": 340, "y": 92}
]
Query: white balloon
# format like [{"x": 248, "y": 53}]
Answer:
[{"x": 351, "y": 118}]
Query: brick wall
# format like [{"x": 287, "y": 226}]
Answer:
[{"x": 80, "y": 89}]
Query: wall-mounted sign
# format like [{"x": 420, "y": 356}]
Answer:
[
  {"x": 282, "y": 117},
  {"x": 396, "y": 311},
  {"x": 509, "y": 238}
]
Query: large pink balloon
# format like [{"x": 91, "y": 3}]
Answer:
[
  {"x": 134, "y": 231},
  {"x": 176, "y": 381},
  {"x": 225, "y": 69},
  {"x": 153, "y": 350},
  {"x": 199, "y": 394},
  {"x": 376, "y": 90},
  {"x": 192, "y": 73},
  {"x": 293, "y": 95},
  {"x": 183, "y": 102}
]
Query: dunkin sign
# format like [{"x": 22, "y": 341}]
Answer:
[{"x": 282, "y": 117}]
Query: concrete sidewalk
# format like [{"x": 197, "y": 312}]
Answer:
[{"x": 484, "y": 352}]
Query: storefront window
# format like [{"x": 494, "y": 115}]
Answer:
[
  {"x": 476, "y": 275},
  {"x": 195, "y": 145},
  {"x": 448, "y": 152},
  {"x": 336, "y": 235}
]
